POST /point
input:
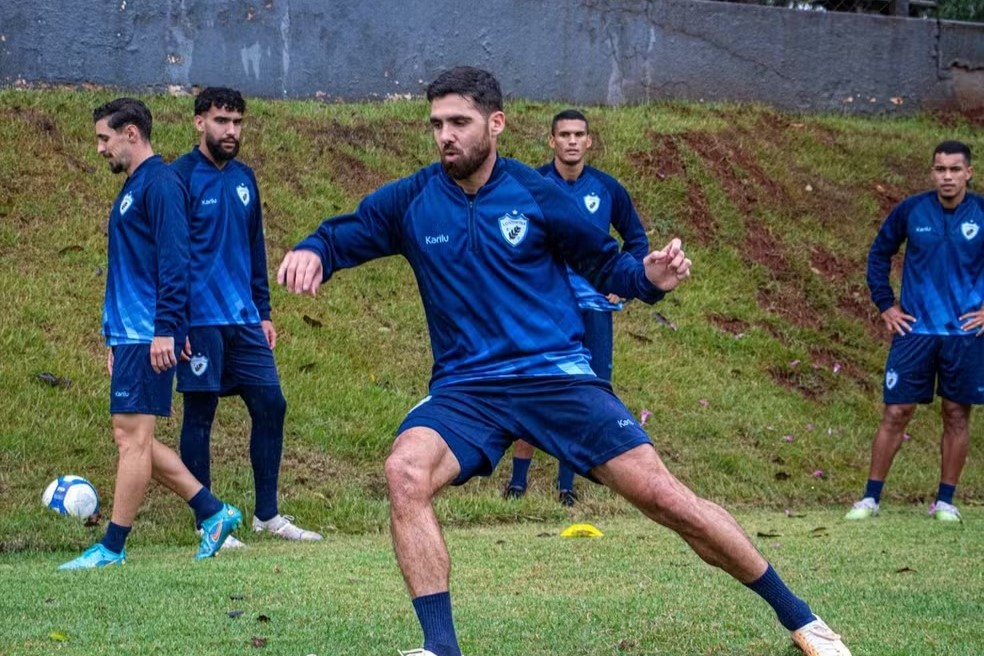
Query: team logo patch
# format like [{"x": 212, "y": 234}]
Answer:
[
  {"x": 513, "y": 227},
  {"x": 592, "y": 202},
  {"x": 243, "y": 192},
  {"x": 199, "y": 363},
  {"x": 891, "y": 378},
  {"x": 126, "y": 203},
  {"x": 969, "y": 230}
]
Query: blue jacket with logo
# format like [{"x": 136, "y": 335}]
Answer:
[
  {"x": 228, "y": 254},
  {"x": 147, "y": 275},
  {"x": 943, "y": 274},
  {"x": 606, "y": 203},
  {"x": 490, "y": 268}
]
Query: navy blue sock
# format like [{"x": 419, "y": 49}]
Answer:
[
  {"x": 521, "y": 469},
  {"x": 196, "y": 430},
  {"x": 434, "y": 615},
  {"x": 945, "y": 493},
  {"x": 115, "y": 538},
  {"x": 873, "y": 489},
  {"x": 565, "y": 477},
  {"x": 205, "y": 504},
  {"x": 267, "y": 409},
  {"x": 793, "y": 612}
]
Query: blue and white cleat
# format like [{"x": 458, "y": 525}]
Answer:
[
  {"x": 216, "y": 529},
  {"x": 95, "y": 556},
  {"x": 417, "y": 652}
]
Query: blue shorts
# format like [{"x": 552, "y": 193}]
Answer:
[
  {"x": 950, "y": 365},
  {"x": 226, "y": 358},
  {"x": 134, "y": 387},
  {"x": 576, "y": 419}
]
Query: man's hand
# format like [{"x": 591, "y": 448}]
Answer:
[
  {"x": 162, "y": 354},
  {"x": 614, "y": 299},
  {"x": 301, "y": 272},
  {"x": 186, "y": 351},
  {"x": 270, "y": 333},
  {"x": 897, "y": 321},
  {"x": 974, "y": 319},
  {"x": 668, "y": 267}
]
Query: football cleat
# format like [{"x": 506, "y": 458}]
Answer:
[
  {"x": 416, "y": 652},
  {"x": 283, "y": 526},
  {"x": 945, "y": 512},
  {"x": 216, "y": 529},
  {"x": 95, "y": 556},
  {"x": 567, "y": 498},
  {"x": 863, "y": 509},
  {"x": 513, "y": 492},
  {"x": 816, "y": 639},
  {"x": 230, "y": 542}
]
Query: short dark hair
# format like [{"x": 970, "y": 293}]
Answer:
[
  {"x": 220, "y": 97},
  {"x": 473, "y": 83},
  {"x": 569, "y": 115},
  {"x": 125, "y": 111},
  {"x": 953, "y": 148}
]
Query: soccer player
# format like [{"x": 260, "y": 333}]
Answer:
[
  {"x": 143, "y": 314},
  {"x": 487, "y": 238},
  {"x": 937, "y": 325},
  {"x": 231, "y": 338},
  {"x": 606, "y": 203}
]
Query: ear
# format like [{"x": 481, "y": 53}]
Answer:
[
  {"x": 497, "y": 123},
  {"x": 132, "y": 133},
  {"x": 588, "y": 142},
  {"x": 552, "y": 141},
  {"x": 200, "y": 123}
]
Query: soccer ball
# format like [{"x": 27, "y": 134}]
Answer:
[{"x": 71, "y": 495}]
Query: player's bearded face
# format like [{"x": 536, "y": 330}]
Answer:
[
  {"x": 220, "y": 128},
  {"x": 461, "y": 161},
  {"x": 222, "y": 149}
]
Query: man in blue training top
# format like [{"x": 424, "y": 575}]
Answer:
[
  {"x": 488, "y": 238},
  {"x": 606, "y": 203},
  {"x": 231, "y": 337},
  {"x": 143, "y": 314},
  {"x": 937, "y": 325}
]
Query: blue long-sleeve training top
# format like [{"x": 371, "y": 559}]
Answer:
[
  {"x": 229, "y": 283},
  {"x": 943, "y": 274},
  {"x": 605, "y": 203},
  {"x": 147, "y": 279},
  {"x": 490, "y": 267}
]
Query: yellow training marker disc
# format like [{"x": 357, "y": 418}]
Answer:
[{"x": 581, "y": 531}]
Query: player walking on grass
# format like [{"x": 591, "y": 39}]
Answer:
[
  {"x": 488, "y": 238},
  {"x": 937, "y": 324},
  {"x": 231, "y": 336},
  {"x": 143, "y": 315},
  {"x": 606, "y": 203}
]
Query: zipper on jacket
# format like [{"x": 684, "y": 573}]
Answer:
[{"x": 472, "y": 236}]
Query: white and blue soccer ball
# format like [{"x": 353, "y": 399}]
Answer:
[{"x": 71, "y": 495}]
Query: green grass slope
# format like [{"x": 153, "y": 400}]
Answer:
[{"x": 762, "y": 374}]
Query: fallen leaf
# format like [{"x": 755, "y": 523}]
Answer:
[
  {"x": 236, "y": 597},
  {"x": 905, "y": 570},
  {"x": 640, "y": 338},
  {"x": 258, "y": 642},
  {"x": 819, "y": 473},
  {"x": 311, "y": 321},
  {"x": 74, "y": 248},
  {"x": 794, "y": 363},
  {"x": 819, "y": 529},
  {"x": 626, "y": 645},
  {"x": 837, "y": 367},
  {"x": 307, "y": 366},
  {"x": 262, "y": 618},
  {"x": 788, "y": 438},
  {"x": 53, "y": 380},
  {"x": 663, "y": 320},
  {"x": 644, "y": 416},
  {"x": 703, "y": 403},
  {"x": 782, "y": 476},
  {"x": 544, "y": 535},
  {"x": 234, "y": 613},
  {"x": 765, "y": 534}
]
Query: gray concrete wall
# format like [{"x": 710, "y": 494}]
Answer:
[{"x": 587, "y": 51}]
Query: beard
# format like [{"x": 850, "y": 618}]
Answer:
[
  {"x": 466, "y": 165},
  {"x": 219, "y": 152},
  {"x": 116, "y": 166}
]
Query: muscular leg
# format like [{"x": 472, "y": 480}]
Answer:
[
  {"x": 955, "y": 442},
  {"x": 170, "y": 471},
  {"x": 640, "y": 476},
  {"x": 134, "y": 436},
  {"x": 888, "y": 438},
  {"x": 420, "y": 465}
]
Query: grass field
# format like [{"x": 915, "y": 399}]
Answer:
[
  {"x": 762, "y": 376},
  {"x": 901, "y": 584}
]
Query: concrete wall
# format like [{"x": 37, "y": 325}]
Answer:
[{"x": 586, "y": 51}]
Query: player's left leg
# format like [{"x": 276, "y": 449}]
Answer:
[
  {"x": 640, "y": 476},
  {"x": 521, "y": 460},
  {"x": 954, "y": 446}
]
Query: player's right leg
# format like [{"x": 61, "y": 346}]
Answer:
[
  {"x": 521, "y": 460},
  {"x": 910, "y": 377},
  {"x": 446, "y": 439}
]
